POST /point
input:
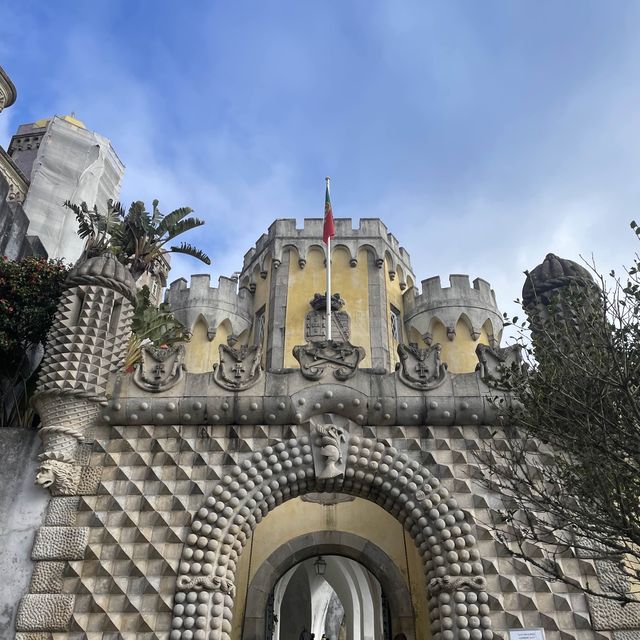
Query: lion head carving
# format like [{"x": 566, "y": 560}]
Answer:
[{"x": 58, "y": 473}]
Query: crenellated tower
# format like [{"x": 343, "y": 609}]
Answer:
[
  {"x": 458, "y": 317},
  {"x": 214, "y": 315},
  {"x": 286, "y": 268},
  {"x": 274, "y": 305}
]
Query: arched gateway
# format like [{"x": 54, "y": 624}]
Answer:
[
  {"x": 287, "y": 556},
  {"x": 458, "y": 603}
]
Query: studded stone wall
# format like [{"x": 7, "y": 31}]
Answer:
[{"x": 152, "y": 550}]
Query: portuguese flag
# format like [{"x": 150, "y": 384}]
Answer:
[{"x": 328, "y": 230}]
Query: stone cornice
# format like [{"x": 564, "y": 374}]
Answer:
[
  {"x": 285, "y": 397},
  {"x": 8, "y": 92},
  {"x": 18, "y": 183}
]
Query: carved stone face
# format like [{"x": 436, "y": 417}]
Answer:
[
  {"x": 46, "y": 476},
  {"x": 60, "y": 478}
]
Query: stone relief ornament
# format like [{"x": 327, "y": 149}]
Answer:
[
  {"x": 239, "y": 367},
  {"x": 58, "y": 473},
  {"x": 206, "y": 583},
  {"x": 495, "y": 362},
  {"x": 316, "y": 320},
  {"x": 327, "y": 499},
  {"x": 329, "y": 447},
  {"x": 160, "y": 368},
  {"x": 421, "y": 368},
  {"x": 449, "y": 584},
  {"x": 342, "y": 357}
]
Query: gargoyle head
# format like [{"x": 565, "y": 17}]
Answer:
[
  {"x": 58, "y": 473},
  {"x": 46, "y": 474}
]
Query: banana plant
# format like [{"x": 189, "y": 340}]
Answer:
[{"x": 138, "y": 238}]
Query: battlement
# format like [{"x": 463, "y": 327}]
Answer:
[
  {"x": 370, "y": 232},
  {"x": 215, "y": 304},
  {"x": 201, "y": 285},
  {"x": 476, "y": 305},
  {"x": 481, "y": 294}
]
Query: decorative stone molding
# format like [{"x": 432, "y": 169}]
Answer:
[
  {"x": 239, "y": 367},
  {"x": 421, "y": 368},
  {"x": 372, "y": 470},
  {"x": 449, "y": 584},
  {"x": 494, "y": 362},
  {"x": 8, "y": 92},
  {"x": 18, "y": 183},
  {"x": 160, "y": 369},
  {"x": 315, "y": 326},
  {"x": 340, "y": 357},
  {"x": 329, "y": 451},
  {"x": 206, "y": 583},
  {"x": 326, "y": 498}
]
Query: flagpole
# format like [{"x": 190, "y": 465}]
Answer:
[{"x": 328, "y": 277}]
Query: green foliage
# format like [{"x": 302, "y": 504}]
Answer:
[
  {"x": 569, "y": 471},
  {"x": 138, "y": 238},
  {"x": 29, "y": 292},
  {"x": 152, "y": 325}
]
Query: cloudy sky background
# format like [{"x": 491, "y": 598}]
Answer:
[{"x": 484, "y": 134}]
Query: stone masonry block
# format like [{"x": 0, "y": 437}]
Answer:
[
  {"x": 43, "y": 635},
  {"x": 47, "y": 577},
  {"x": 62, "y": 512},
  {"x": 89, "y": 480},
  {"x": 44, "y": 612},
  {"x": 609, "y": 615},
  {"x": 60, "y": 543}
]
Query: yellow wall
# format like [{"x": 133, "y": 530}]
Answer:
[
  {"x": 459, "y": 353},
  {"x": 360, "y": 517},
  {"x": 352, "y": 283},
  {"x": 201, "y": 353}
]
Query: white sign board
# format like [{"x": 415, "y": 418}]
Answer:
[{"x": 526, "y": 634}]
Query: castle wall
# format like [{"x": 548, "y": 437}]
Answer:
[
  {"x": 22, "y": 510},
  {"x": 143, "y": 527}
]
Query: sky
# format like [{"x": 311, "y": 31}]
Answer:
[{"x": 484, "y": 134}]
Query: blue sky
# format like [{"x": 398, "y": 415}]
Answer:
[{"x": 484, "y": 134}]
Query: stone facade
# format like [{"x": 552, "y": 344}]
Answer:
[{"x": 174, "y": 492}]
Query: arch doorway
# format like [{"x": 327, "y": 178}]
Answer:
[{"x": 328, "y": 596}]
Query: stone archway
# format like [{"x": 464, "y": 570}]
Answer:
[
  {"x": 328, "y": 543},
  {"x": 204, "y": 601}
]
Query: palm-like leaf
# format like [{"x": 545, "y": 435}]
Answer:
[
  {"x": 172, "y": 219},
  {"x": 181, "y": 227},
  {"x": 191, "y": 251}
]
